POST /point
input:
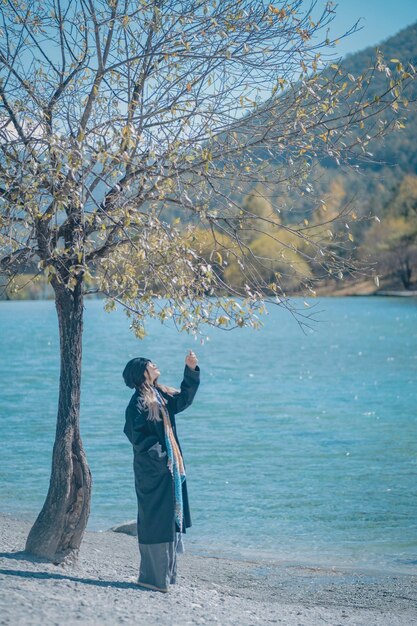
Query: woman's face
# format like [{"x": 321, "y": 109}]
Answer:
[{"x": 152, "y": 372}]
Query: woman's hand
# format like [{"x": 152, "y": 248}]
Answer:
[{"x": 191, "y": 360}]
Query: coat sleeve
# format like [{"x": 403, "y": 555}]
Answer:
[
  {"x": 137, "y": 428},
  {"x": 182, "y": 400}
]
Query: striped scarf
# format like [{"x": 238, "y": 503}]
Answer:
[{"x": 175, "y": 462}]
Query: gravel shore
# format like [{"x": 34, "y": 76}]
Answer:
[{"x": 210, "y": 590}]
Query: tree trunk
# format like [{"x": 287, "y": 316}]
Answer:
[
  {"x": 406, "y": 271},
  {"x": 58, "y": 530}
]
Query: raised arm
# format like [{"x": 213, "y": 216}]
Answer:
[{"x": 181, "y": 400}]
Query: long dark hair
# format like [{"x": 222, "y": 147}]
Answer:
[{"x": 146, "y": 391}]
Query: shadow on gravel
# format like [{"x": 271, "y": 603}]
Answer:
[
  {"x": 85, "y": 581},
  {"x": 24, "y": 556}
]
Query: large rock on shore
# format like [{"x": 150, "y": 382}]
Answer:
[{"x": 128, "y": 528}]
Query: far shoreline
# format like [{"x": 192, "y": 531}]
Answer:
[
  {"x": 343, "y": 288},
  {"x": 253, "y": 555},
  {"x": 343, "y": 293}
]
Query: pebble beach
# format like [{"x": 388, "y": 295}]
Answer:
[{"x": 100, "y": 589}]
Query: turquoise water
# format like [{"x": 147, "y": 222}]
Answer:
[{"x": 298, "y": 446}]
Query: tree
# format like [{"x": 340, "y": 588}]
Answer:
[
  {"x": 126, "y": 126},
  {"x": 392, "y": 244},
  {"x": 392, "y": 240}
]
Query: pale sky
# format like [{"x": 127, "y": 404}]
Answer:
[{"x": 381, "y": 19}]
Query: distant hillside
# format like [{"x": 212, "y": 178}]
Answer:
[
  {"x": 400, "y": 148},
  {"x": 385, "y": 186},
  {"x": 395, "y": 156}
]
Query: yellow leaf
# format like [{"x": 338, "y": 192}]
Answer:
[
  {"x": 219, "y": 256},
  {"x": 279, "y": 12},
  {"x": 351, "y": 237}
]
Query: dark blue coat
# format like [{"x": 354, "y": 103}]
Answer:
[{"x": 153, "y": 481}]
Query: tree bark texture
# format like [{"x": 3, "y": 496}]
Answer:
[{"x": 58, "y": 530}]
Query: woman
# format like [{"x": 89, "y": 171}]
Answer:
[{"x": 160, "y": 483}]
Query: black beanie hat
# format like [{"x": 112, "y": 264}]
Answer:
[{"x": 134, "y": 371}]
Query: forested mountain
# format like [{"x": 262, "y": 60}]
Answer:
[
  {"x": 396, "y": 155},
  {"x": 385, "y": 185},
  {"x": 400, "y": 148}
]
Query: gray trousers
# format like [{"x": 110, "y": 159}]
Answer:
[{"x": 158, "y": 562}]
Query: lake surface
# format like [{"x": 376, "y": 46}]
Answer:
[{"x": 300, "y": 447}]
